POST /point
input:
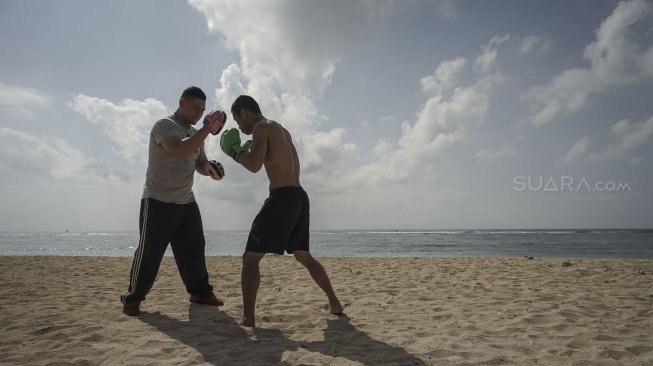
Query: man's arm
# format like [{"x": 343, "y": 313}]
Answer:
[
  {"x": 200, "y": 163},
  {"x": 254, "y": 159},
  {"x": 180, "y": 149}
]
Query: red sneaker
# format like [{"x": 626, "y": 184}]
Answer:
[
  {"x": 206, "y": 300},
  {"x": 131, "y": 308}
]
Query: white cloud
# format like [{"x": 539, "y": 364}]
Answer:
[
  {"x": 232, "y": 86},
  {"x": 326, "y": 150},
  {"x": 575, "y": 152},
  {"x": 617, "y": 58},
  {"x": 628, "y": 136},
  {"x": 444, "y": 77},
  {"x": 487, "y": 59},
  {"x": 488, "y": 155},
  {"x": 26, "y": 154},
  {"x": 382, "y": 147},
  {"x": 284, "y": 53},
  {"x": 128, "y": 124},
  {"x": 535, "y": 44},
  {"x": 19, "y": 103},
  {"x": 285, "y": 64},
  {"x": 445, "y": 118}
]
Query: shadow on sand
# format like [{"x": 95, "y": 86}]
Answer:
[{"x": 221, "y": 341}]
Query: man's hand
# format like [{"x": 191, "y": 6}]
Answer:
[
  {"x": 215, "y": 120},
  {"x": 230, "y": 144},
  {"x": 214, "y": 169}
]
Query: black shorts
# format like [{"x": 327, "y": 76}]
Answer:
[{"x": 282, "y": 224}]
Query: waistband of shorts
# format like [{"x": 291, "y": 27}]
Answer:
[
  {"x": 286, "y": 189},
  {"x": 168, "y": 203}
]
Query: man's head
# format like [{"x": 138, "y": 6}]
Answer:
[
  {"x": 246, "y": 113},
  {"x": 191, "y": 105}
]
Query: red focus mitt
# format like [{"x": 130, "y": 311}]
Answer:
[{"x": 214, "y": 169}]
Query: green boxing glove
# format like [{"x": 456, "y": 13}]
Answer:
[
  {"x": 230, "y": 143},
  {"x": 247, "y": 145}
]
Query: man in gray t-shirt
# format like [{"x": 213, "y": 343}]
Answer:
[
  {"x": 169, "y": 213},
  {"x": 170, "y": 179}
]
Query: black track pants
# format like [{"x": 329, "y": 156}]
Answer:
[{"x": 180, "y": 226}]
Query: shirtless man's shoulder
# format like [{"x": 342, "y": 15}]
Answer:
[
  {"x": 269, "y": 126},
  {"x": 273, "y": 132}
]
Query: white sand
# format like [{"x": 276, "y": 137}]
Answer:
[{"x": 403, "y": 311}]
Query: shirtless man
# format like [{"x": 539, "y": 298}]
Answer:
[{"x": 283, "y": 222}]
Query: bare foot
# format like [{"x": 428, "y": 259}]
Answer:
[
  {"x": 246, "y": 323},
  {"x": 337, "y": 309}
]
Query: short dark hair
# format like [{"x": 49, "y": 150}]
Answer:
[
  {"x": 193, "y": 92},
  {"x": 245, "y": 102}
]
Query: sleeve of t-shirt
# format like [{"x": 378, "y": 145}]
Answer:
[{"x": 163, "y": 129}]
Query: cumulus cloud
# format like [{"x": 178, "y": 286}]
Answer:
[
  {"x": 19, "y": 103},
  {"x": 487, "y": 155},
  {"x": 444, "y": 77},
  {"x": 127, "y": 124},
  {"x": 285, "y": 52},
  {"x": 327, "y": 147},
  {"x": 575, "y": 152},
  {"x": 30, "y": 155},
  {"x": 487, "y": 59},
  {"x": 231, "y": 81},
  {"x": 444, "y": 118},
  {"x": 284, "y": 59},
  {"x": 288, "y": 60},
  {"x": 617, "y": 57},
  {"x": 450, "y": 111},
  {"x": 534, "y": 44},
  {"x": 627, "y": 137},
  {"x": 382, "y": 147}
]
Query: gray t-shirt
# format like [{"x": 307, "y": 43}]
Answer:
[{"x": 169, "y": 179}]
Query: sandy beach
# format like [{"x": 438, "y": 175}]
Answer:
[{"x": 402, "y": 311}]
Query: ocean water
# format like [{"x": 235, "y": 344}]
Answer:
[{"x": 637, "y": 244}]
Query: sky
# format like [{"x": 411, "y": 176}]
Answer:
[{"x": 409, "y": 114}]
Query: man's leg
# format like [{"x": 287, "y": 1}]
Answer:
[
  {"x": 249, "y": 281},
  {"x": 188, "y": 247},
  {"x": 319, "y": 275},
  {"x": 155, "y": 232}
]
